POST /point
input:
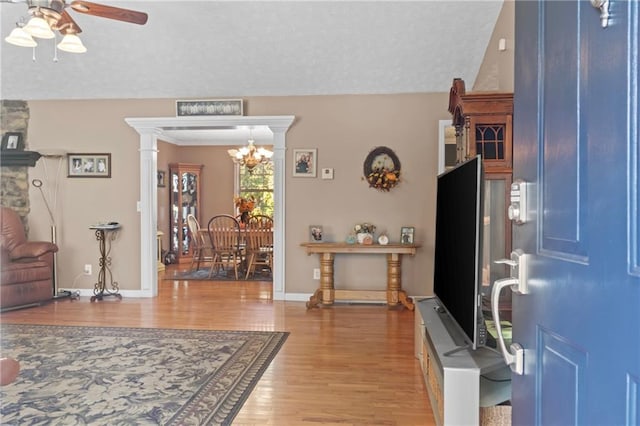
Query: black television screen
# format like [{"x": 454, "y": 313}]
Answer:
[{"x": 458, "y": 248}]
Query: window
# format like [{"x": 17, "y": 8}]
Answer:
[{"x": 259, "y": 185}]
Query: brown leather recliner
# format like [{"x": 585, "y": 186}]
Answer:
[{"x": 26, "y": 267}]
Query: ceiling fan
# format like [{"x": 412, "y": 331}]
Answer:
[{"x": 51, "y": 15}]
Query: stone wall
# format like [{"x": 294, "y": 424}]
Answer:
[{"x": 14, "y": 180}]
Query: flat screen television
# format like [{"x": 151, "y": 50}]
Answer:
[{"x": 458, "y": 250}]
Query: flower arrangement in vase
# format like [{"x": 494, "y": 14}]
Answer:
[
  {"x": 364, "y": 232},
  {"x": 244, "y": 206}
]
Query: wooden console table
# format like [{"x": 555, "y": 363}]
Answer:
[{"x": 327, "y": 294}]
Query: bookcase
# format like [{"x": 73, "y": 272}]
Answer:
[{"x": 458, "y": 382}]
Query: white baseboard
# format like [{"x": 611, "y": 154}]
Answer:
[
  {"x": 124, "y": 293},
  {"x": 297, "y": 297},
  {"x": 289, "y": 297}
]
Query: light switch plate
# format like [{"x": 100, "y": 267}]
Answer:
[{"x": 327, "y": 173}]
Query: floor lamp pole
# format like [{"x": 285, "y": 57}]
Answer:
[{"x": 54, "y": 239}]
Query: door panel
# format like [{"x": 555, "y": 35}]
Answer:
[
  {"x": 562, "y": 167},
  {"x": 576, "y": 140},
  {"x": 560, "y": 373}
]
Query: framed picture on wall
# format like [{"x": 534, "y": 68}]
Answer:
[
  {"x": 89, "y": 165},
  {"x": 12, "y": 141},
  {"x": 162, "y": 176},
  {"x": 209, "y": 107},
  {"x": 304, "y": 162}
]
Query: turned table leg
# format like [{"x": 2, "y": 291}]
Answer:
[
  {"x": 325, "y": 294},
  {"x": 395, "y": 294}
]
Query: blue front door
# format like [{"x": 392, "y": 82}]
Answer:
[{"x": 576, "y": 140}]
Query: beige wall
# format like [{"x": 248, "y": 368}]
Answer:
[
  {"x": 496, "y": 72},
  {"x": 343, "y": 129}
]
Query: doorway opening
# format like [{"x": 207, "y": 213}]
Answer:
[{"x": 205, "y": 131}]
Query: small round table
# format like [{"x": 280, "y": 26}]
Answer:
[{"x": 105, "y": 234}]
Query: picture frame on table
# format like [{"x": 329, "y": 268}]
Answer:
[
  {"x": 90, "y": 165},
  {"x": 305, "y": 162},
  {"x": 12, "y": 141},
  {"x": 316, "y": 234},
  {"x": 162, "y": 176},
  {"x": 406, "y": 234}
]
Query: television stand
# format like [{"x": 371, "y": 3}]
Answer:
[
  {"x": 459, "y": 380},
  {"x": 458, "y": 349}
]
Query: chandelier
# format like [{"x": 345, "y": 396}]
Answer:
[{"x": 250, "y": 156}]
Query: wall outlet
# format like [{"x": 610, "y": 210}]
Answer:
[
  {"x": 316, "y": 273},
  {"x": 87, "y": 269}
]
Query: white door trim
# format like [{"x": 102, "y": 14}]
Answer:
[{"x": 166, "y": 128}]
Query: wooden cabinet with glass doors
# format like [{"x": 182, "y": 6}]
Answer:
[
  {"x": 184, "y": 199},
  {"x": 483, "y": 123}
]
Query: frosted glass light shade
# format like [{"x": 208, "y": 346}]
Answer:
[
  {"x": 19, "y": 37},
  {"x": 38, "y": 27},
  {"x": 72, "y": 43}
]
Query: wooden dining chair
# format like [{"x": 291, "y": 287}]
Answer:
[
  {"x": 265, "y": 221},
  {"x": 200, "y": 243},
  {"x": 259, "y": 237},
  {"x": 224, "y": 232}
]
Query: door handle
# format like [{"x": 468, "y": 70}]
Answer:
[
  {"x": 603, "y": 6},
  {"x": 514, "y": 357},
  {"x": 517, "y": 281},
  {"x": 518, "y": 263}
]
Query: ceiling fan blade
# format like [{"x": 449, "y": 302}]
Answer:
[
  {"x": 110, "y": 12},
  {"x": 66, "y": 24}
]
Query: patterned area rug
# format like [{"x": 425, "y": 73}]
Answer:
[
  {"x": 203, "y": 274},
  {"x": 109, "y": 376}
]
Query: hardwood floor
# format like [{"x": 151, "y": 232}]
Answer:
[{"x": 346, "y": 364}]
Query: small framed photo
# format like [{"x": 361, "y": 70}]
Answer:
[
  {"x": 89, "y": 165},
  {"x": 315, "y": 234},
  {"x": 12, "y": 141},
  {"x": 406, "y": 234},
  {"x": 162, "y": 175},
  {"x": 209, "y": 107},
  {"x": 304, "y": 162}
]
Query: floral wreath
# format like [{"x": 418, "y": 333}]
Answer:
[{"x": 380, "y": 177}]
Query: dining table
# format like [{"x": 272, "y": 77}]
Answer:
[{"x": 244, "y": 238}]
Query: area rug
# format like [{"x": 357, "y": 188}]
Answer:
[
  {"x": 203, "y": 274},
  {"x": 108, "y": 376}
]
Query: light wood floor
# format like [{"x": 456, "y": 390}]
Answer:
[{"x": 342, "y": 365}]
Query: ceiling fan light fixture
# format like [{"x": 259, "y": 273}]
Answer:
[
  {"x": 19, "y": 37},
  {"x": 39, "y": 28},
  {"x": 72, "y": 43}
]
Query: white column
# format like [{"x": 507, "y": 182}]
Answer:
[
  {"x": 148, "y": 211},
  {"x": 279, "y": 170}
]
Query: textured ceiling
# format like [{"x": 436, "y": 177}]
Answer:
[{"x": 200, "y": 49}]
